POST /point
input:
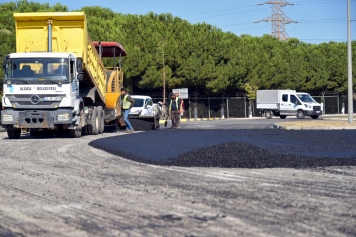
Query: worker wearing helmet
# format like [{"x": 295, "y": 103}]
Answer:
[{"x": 126, "y": 104}]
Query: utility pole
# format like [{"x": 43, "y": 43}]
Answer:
[
  {"x": 163, "y": 43},
  {"x": 349, "y": 67},
  {"x": 278, "y": 18}
]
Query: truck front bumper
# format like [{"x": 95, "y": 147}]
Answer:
[{"x": 36, "y": 118}]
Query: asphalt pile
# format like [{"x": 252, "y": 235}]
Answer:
[{"x": 243, "y": 155}]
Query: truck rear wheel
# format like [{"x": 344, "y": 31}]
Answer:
[
  {"x": 268, "y": 114},
  {"x": 13, "y": 133},
  {"x": 101, "y": 120},
  {"x": 300, "y": 114},
  {"x": 94, "y": 127}
]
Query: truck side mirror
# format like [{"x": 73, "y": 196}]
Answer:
[{"x": 79, "y": 66}]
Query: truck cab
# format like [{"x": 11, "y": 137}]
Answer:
[{"x": 299, "y": 104}]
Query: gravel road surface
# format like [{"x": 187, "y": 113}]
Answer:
[{"x": 65, "y": 187}]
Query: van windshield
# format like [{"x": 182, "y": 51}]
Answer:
[{"x": 306, "y": 98}]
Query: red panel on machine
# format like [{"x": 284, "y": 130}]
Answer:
[{"x": 110, "y": 49}]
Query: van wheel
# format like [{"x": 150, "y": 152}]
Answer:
[
  {"x": 283, "y": 116},
  {"x": 268, "y": 114},
  {"x": 300, "y": 114},
  {"x": 314, "y": 116}
]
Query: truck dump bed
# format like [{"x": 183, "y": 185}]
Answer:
[{"x": 69, "y": 34}]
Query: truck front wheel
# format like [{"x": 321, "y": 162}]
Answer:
[
  {"x": 283, "y": 116},
  {"x": 268, "y": 114},
  {"x": 314, "y": 116},
  {"x": 13, "y": 133},
  {"x": 300, "y": 114}
]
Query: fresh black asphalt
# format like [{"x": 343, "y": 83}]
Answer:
[{"x": 245, "y": 148}]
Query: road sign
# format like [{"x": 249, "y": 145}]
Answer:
[{"x": 182, "y": 93}]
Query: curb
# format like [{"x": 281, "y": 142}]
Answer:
[{"x": 277, "y": 126}]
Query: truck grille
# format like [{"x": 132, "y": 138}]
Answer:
[
  {"x": 26, "y": 99},
  {"x": 316, "y": 108}
]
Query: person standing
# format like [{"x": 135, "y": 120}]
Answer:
[
  {"x": 126, "y": 104},
  {"x": 175, "y": 109},
  {"x": 181, "y": 105}
]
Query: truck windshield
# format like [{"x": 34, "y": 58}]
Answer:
[
  {"x": 306, "y": 98},
  {"x": 37, "y": 70}
]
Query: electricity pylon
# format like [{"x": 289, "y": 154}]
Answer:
[{"x": 278, "y": 18}]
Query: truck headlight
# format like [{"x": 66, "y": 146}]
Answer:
[
  {"x": 63, "y": 117},
  {"x": 307, "y": 106},
  {"x": 8, "y": 118}
]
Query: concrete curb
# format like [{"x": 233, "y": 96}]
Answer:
[{"x": 277, "y": 126}]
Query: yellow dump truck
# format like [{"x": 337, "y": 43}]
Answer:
[{"x": 56, "y": 80}]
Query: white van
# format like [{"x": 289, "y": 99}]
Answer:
[{"x": 285, "y": 103}]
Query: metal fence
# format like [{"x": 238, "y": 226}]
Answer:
[{"x": 238, "y": 107}]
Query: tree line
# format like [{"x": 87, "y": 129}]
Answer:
[{"x": 201, "y": 56}]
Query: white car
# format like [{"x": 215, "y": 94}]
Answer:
[
  {"x": 144, "y": 114},
  {"x": 143, "y": 106}
]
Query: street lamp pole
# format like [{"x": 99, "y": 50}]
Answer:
[{"x": 349, "y": 71}]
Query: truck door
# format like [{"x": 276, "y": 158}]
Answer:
[{"x": 288, "y": 104}]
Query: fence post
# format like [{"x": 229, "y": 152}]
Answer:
[
  {"x": 195, "y": 114},
  {"x": 190, "y": 110},
  {"x": 208, "y": 107},
  {"x": 227, "y": 107},
  {"x": 338, "y": 107},
  {"x": 245, "y": 105}
]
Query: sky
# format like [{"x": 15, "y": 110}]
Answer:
[{"x": 313, "y": 21}]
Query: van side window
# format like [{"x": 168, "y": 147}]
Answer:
[
  {"x": 293, "y": 99},
  {"x": 285, "y": 98}
]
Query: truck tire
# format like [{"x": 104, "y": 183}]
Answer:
[
  {"x": 283, "y": 116},
  {"x": 75, "y": 133},
  {"x": 13, "y": 133},
  {"x": 300, "y": 114},
  {"x": 101, "y": 119},
  {"x": 95, "y": 122},
  {"x": 268, "y": 114},
  {"x": 314, "y": 116}
]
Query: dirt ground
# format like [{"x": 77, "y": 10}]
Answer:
[
  {"x": 64, "y": 187},
  {"x": 318, "y": 123}
]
